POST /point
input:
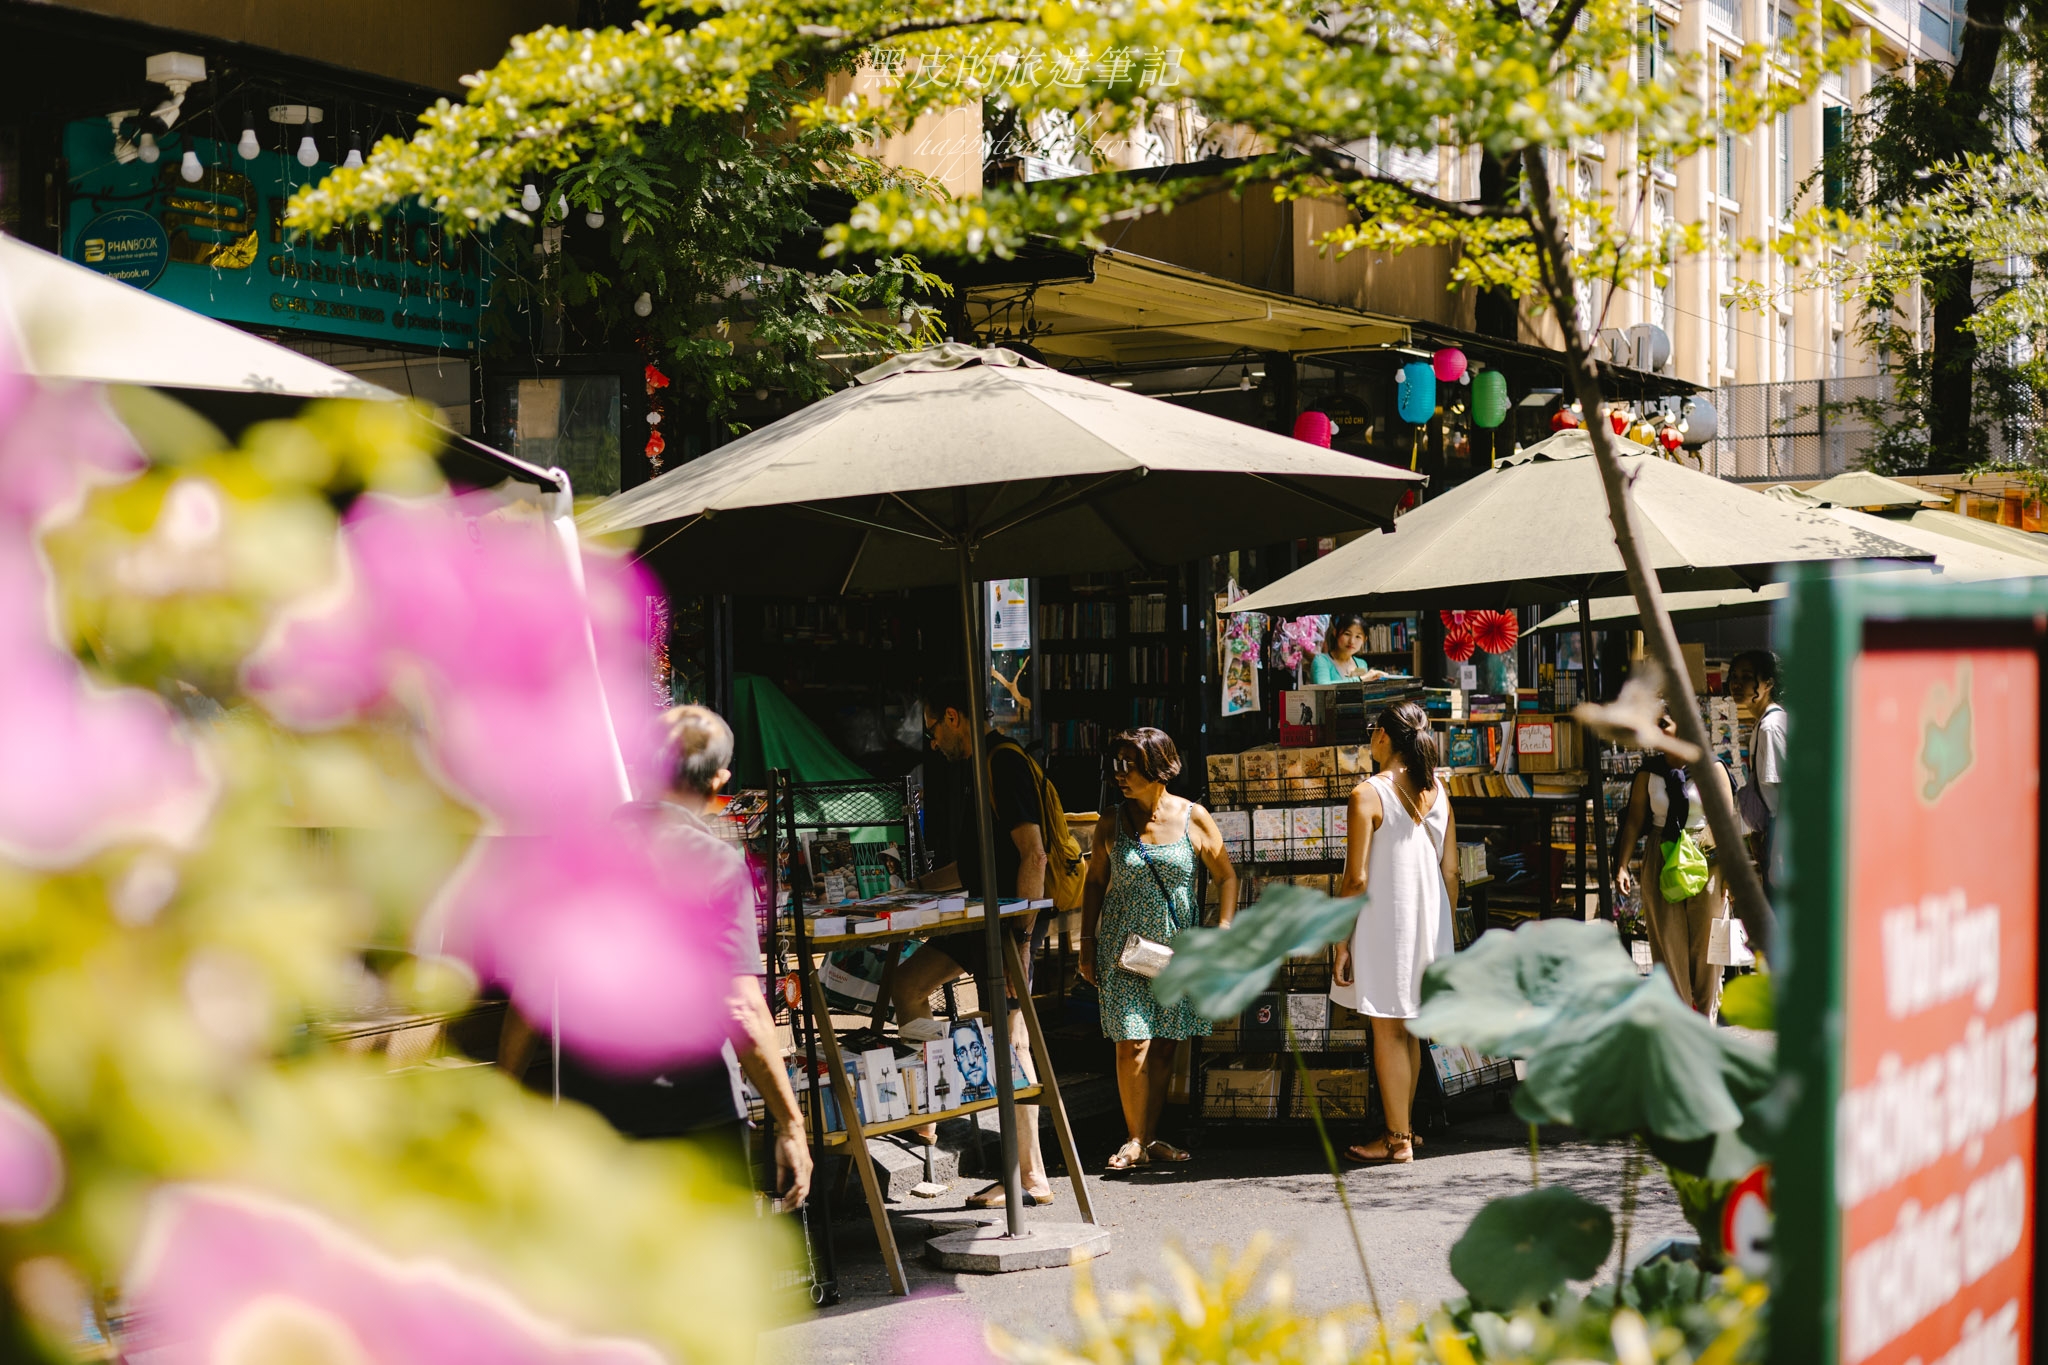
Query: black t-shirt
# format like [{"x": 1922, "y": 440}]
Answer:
[{"x": 1015, "y": 795}]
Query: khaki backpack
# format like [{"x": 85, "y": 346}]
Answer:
[{"x": 1065, "y": 869}]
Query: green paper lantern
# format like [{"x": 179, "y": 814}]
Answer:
[{"x": 1489, "y": 398}]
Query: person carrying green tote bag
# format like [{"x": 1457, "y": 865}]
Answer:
[{"x": 1681, "y": 888}]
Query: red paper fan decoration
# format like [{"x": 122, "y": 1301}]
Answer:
[
  {"x": 1496, "y": 631},
  {"x": 1458, "y": 646},
  {"x": 1454, "y": 621}
]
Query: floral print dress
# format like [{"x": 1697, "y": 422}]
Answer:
[{"x": 1157, "y": 907}]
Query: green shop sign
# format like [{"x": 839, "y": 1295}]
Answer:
[
  {"x": 219, "y": 246},
  {"x": 1906, "y": 1179}
]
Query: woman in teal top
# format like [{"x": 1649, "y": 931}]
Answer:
[{"x": 1339, "y": 661}]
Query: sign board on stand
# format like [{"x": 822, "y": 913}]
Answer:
[{"x": 1905, "y": 1187}]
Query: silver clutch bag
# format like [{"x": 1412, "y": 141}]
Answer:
[{"x": 1144, "y": 957}]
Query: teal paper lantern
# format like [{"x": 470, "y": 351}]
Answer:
[
  {"x": 1415, "y": 392},
  {"x": 1489, "y": 398}
]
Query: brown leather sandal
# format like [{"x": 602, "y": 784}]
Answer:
[{"x": 1398, "y": 1149}]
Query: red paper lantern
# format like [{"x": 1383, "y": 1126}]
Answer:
[
  {"x": 1619, "y": 420},
  {"x": 1670, "y": 439},
  {"x": 1496, "y": 631},
  {"x": 1313, "y": 427},
  {"x": 1562, "y": 420},
  {"x": 655, "y": 379},
  {"x": 655, "y": 445}
]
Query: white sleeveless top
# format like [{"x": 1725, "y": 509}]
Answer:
[
  {"x": 1660, "y": 804},
  {"x": 1405, "y": 923}
]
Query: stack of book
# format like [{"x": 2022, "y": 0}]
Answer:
[
  {"x": 901, "y": 911},
  {"x": 907, "y": 1079}
]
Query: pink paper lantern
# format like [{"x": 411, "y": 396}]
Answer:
[
  {"x": 1315, "y": 428},
  {"x": 1449, "y": 364}
]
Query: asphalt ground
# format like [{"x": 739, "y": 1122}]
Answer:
[{"x": 1245, "y": 1179}]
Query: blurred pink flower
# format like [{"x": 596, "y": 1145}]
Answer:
[
  {"x": 475, "y": 620},
  {"x": 584, "y": 928},
  {"x": 80, "y": 767},
  {"x": 228, "y": 1276},
  {"x": 31, "y": 1167}
]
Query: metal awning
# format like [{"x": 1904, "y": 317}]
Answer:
[{"x": 1126, "y": 309}]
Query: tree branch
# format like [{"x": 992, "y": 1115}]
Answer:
[{"x": 1554, "y": 256}]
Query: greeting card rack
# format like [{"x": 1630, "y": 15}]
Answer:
[{"x": 895, "y": 806}]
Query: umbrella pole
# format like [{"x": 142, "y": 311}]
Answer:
[
  {"x": 1598, "y": 774},
  {"x": 985, "y": 830}
]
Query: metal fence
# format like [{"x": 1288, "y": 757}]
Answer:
[{"x": 1804, "y": 429}]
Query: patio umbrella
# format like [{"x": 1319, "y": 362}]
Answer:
[
  {"x": 1872, "y": 492},
  {"x": 1955, "y": 561},
  {"x": 957, "y": 464},
  {"x": 1535, "y": 529}
]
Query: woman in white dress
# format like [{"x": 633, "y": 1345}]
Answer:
[{"x": 1401, "y": 854}]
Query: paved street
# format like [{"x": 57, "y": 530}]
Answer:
[{"x": 1268, "y": 1179}]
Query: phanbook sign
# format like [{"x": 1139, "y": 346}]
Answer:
[{"x": 1906, "y": 1188}]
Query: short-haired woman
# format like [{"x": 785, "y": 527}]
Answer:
[
  {"x": 1401, "y": 854},
  {"x": 1141, "y": 880},
  {"x": 1339, "y": 661}
]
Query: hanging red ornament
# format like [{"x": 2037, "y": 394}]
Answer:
[
  {"x": 1454, "y": 621},
  {"x": 1618, "y": 420},
  {"x": 655, "y": 379},
  {"x": 1670, "y": 439},
  {"x": 1562, "y": 420},
  {"x": 1496, "y": 631},
  {"x": 1458, "y": 646},
  {"x": 655, "y": 445}
]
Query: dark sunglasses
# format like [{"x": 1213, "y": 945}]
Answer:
[{"x": 1120, "y": 766}]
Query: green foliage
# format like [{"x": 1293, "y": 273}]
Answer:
[
  {"x": 1521, "y": 1249},
  {"x": 1221, "y": 970},
  {"x": 1241, "y": 1309},
  {"x": 1747, "y": 1002},
  {"x": 168, "y": 1012},
  {"x": 1503, "y": 994}
]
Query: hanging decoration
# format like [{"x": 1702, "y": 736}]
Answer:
[
  {"x": 1489, "y": 398},
  {"x": 1495, "y": 631},
  {"x": 656, "y": 381},
  {"x": 1459, "y": 634},
  {"x": 1315, "y": 428},
  {"x": 1296, "y": 642},
  {"x": 1448, "y": 364},
  {"x": 1670, "y": 438},
  {"x": 1564, "y": 419},
  {"x": 1458, "y": 648},
  {"x": 1415, "y": 393},
  {"x": 1618, "y": 419}
]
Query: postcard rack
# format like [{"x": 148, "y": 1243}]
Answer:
[{"x": 828, "y": 1091}]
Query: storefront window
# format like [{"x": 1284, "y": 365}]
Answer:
[{"x": 569, "y": 421}]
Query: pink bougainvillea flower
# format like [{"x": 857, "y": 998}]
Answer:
[
  {"x": 476, "y": 620},
  {"x": 31, "y": 1167},
  {"x": 80, "y": 767},
  {"x": 593, "y": 939},
  {"x": 225, "y": 1277}
]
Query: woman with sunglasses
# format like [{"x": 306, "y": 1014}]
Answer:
[{"x": 1141, "y": 881}]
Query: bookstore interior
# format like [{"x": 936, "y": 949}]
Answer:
[{"x": 1074, "y": 660}]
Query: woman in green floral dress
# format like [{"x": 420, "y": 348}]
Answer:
[{"x": 1141, "y": 880}]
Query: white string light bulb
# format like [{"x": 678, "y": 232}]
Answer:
[
  {"x": 309, "y": 151},
  {"x": 190, "y": 169},
  {"x": 529, "y": 198}
]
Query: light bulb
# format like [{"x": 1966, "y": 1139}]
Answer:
[
  {"x": 562, "y": 206},
  {"x": 354, "y": 159},
  {"x": 148, "y": 151},
  {"x": 309, "y": 151},
  {"x": 594, "y": 218},
  {"x": 653, "y": 419},
  {"x": 190, "y": 168},
  {"x": 248, "y": 147},
  {"x": 529, "y": 198},
  {"x": 1244, "y": 380},
  {"x": 1465, "y": 378},
  {"x": 643, "y": 305}
]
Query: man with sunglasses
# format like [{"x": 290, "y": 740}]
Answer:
[{"x": 1020, "y": 871}]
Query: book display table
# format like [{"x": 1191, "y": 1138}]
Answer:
[{"x": 849, "y": 1096}]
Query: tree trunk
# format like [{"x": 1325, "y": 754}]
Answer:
[
  {"x": 1953, "y": 361},
  {"x": 1554, "y": 258}
]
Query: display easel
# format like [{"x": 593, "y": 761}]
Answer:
[{"x": 874, "y": 804}]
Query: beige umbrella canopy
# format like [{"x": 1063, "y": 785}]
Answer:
[
  {"x": 1955, "y": 561},
  {"x": 2011, "y": 539},
  {"x": 1535, "y": 530},
  {"x": 1037, "y": 472},
  {"x": 1871, "y": 492},
  {"x": 73, "y": 323}
]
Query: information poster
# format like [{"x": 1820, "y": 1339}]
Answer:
[{"x": 1934, "y": 1127}]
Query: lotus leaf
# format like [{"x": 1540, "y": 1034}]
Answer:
[
  {"x": 1221, "y": 970},
  {"x": 1504, "y": 993},
  {"x": 1645, "y": 1065},
  {"x": 1522, "y": 1249}
]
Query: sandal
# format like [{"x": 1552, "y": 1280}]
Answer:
[
  {"x": 1129, "y": 1157},
  {"x": 1397, "y": 1149},
  {"x": 994, "y": 1197},
  {"x": 1160, "y": 1150}
]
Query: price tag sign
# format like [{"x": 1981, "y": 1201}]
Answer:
[{"x": 1907, "y": 1189}]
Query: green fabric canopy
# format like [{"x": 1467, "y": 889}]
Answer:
[{"x": 769, "y": 732}]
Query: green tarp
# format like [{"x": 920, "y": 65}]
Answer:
[{"x": 770, "y": 732}]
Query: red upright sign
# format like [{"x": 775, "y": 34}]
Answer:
[{"x": 1934, "y": 1133}]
